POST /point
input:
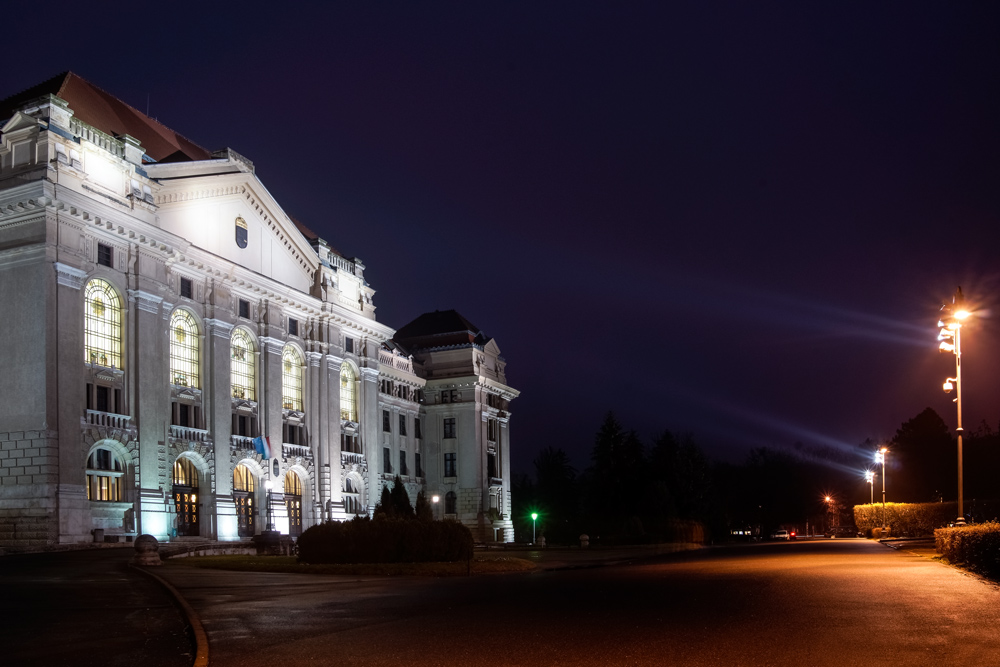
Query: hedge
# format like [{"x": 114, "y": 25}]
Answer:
[
  {"x": 975, "y": 547},
  {"x": 364, "y": 540},
  {"x": 913, "y": 519},
  {"x": 921, "y": 519}
]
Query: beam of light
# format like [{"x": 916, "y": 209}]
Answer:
[
  {"x": 729, "y": 301},
  {"x": 774, "y": 425}
]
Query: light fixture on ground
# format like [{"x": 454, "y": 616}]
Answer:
[
  {"x": 268, "y": 485},
  {"x": 951, "y": 341}
]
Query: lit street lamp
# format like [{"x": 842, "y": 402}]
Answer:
[
  {"x": 870, "y": 478},
  {"x": 880, "y": 458},
  {"x": 534, "y": 517},
  {"x": 951, "y": 341}
]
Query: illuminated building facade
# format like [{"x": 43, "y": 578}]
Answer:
[{"x": 180, "y": 352}]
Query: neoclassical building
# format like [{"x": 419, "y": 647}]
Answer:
[{"x": 184, "y": 359}]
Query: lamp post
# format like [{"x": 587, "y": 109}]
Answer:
[
  {"x": 870, "y": 478},
  {"x": 880, "y": 458},
  {"x": 534, "y": 517},
  {"x": 951, "y": 341},
  {"x": 268, "y": 485}
]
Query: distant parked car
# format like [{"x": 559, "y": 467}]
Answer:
[{"x": 781, "y": 535}]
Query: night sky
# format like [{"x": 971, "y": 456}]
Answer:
[{"x": 737, "y": 220}]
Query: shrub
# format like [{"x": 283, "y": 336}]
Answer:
[
  {"x": 904, "y": 518},
  {"x": 364, "y": 540},
  {"x": 975, "y": 547}
]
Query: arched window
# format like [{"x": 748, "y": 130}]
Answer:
[
  {"x": 184, "y": 350},
  {"x": 450, "y": 503},
  {"x": 102, "y": 324},
  {"x": 348, "y": 397},
  {"x": 104, "y": 475},
  {"x": 291, "y": 379},
  {"x": 243, "y": 369}
]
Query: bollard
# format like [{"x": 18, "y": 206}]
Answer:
[{"x": 147, "y": 550}]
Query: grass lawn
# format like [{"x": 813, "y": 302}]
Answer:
[{"x": 289, "y": 564}]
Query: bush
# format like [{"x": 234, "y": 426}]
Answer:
[
  {"x": 364, "y": 540},
  {"x": 914, "y": 519},
  {"x": 975, "y": 547}
]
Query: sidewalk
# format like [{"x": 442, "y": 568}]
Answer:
[{"x": 86, "y": 608}]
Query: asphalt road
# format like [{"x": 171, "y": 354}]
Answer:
[
  {"x": 84, "y": 608},
  {"x": 835, "y": 602}
]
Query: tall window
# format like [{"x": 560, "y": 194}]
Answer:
[
  {"x": 449, "y": 427},
  {"x": 184, "y": 350},
  {"x": 449, "y": 465},
  {"x": 450, "y": 504},
  {"x": 104, "y": 476},
  {"x": 102, "y": 324},
  {"x": 242, "y": 366},
  {"x": 291, "y": 379},
  {"x": 293, "y": 503},
  {"x": 348, "y": 399}
]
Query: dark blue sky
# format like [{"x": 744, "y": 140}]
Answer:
[{"x": 732, "y": 219}]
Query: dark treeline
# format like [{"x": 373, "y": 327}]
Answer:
[{"x": 640, "y": 492}]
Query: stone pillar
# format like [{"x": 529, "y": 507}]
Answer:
[
  {"x": 371, "y": 427},
  {"x": 217, "y": 395}
]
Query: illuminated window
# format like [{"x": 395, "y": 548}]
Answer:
[
  {"x": 104, "y": 476},
  {"x": 185, "y": 474},
  {"x": 184, "y": 350},
  {"x": 243, "y": 479},
  {"x": 291, "y": 379},
  {"x": 293, "y": 503},
  {"x": 348, "y": 398},
  {"x": 242, "y": 368},
  {"x": 102, "y": 323}
]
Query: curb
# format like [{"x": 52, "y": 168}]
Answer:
[{"x": 200, "y": 637}]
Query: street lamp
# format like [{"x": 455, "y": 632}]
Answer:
[
  {"x": 870, "y": 478},
  {"x": 435, "y": 499},
  {"x": 880, "y": 458},
  {"x": 534, "y": 517},
  {"x": 268, "y": 485},
  {"x": 951, "y": 341}
]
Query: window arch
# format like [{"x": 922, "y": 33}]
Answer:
[
  {"x": 291, "y": 378},
  {"x": 348, "y": 395},
  {"x": 102, "y": 324},
  {"x": 243, "y": 367},
  {"x": 104, "y": 475},
  {"x": 185, "y": 349}
]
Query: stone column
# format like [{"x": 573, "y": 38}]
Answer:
[{"x": 218, "y": 393}]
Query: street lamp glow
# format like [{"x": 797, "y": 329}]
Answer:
[
  {"x": 870, "y": 478},
  {"x": 534, "y": 517},
  {"x": 951, "y": 341}
]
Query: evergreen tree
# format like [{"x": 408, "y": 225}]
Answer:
[
  {"x": 423, "y": 508},
  {"x": 384, "y": 508},
  {"x": 400, "y": 500}
]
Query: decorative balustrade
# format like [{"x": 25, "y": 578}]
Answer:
[
  {"x": 341, "y": 263},
  {"x": 290, "y": 451},
  {"x": 109, "y": 420},
  {"x": 351, "y": 458},
  {"x": 188, "y": 434},
  {"x": 241, "y": 442},
  {"x": 95, "y": 136},
  {"x": 395, "y": 360}
]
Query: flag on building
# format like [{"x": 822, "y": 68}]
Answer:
[{"x": 263, "y": 446}]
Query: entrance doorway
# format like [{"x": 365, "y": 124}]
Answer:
[
  {"x": 244, "y": 487},
  {"x": 186, "y": 497},
  {"x": 293, "y": 503}
]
